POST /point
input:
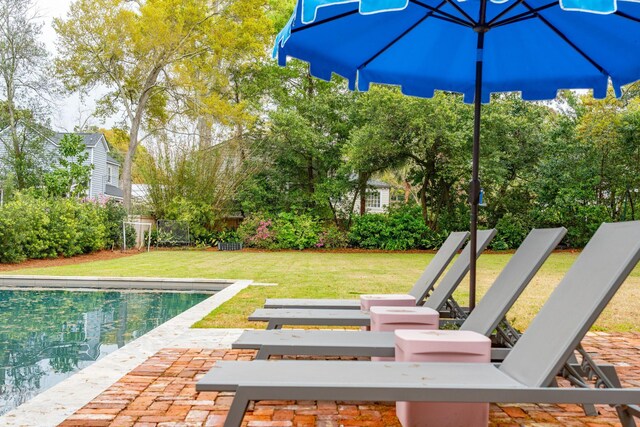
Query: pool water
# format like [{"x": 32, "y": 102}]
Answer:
[{"x": 47, "y": 336}]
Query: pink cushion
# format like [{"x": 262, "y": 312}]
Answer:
[
  {"x": 392, "y": 318},
  {"x": 442, "y": 346},
  {"x": 368, "y": 301}
]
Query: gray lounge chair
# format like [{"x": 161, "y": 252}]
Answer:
[
  {"x": 423, "y": 286},
  {"x": 525, "y": 375},
  {"x": 506, "y": 289},
  {"x": 277, "y": 318}
]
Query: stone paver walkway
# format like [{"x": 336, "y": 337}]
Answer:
[{"x": 161, "y": 393}]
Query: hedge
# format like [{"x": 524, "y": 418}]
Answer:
[{"x": 33, "y": 227}]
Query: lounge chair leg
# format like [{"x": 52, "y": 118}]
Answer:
[
  {"x": 625, "y": 413},
  {"x": 273, "y": 325},
  {"x": 237, "y": 409},
  {"x": 625, "y": 416},
  {"x": 575, "y": 373},
  {"x": 262, "y": 354},
  {"x": 590, "y": 410}
]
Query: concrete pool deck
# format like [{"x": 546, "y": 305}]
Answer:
[
  {"x": 54, "y": 405},
  {"x": 117, "y": 283}
]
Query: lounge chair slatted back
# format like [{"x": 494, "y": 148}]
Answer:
[
  {"x": 513, "y": 279},
  {"x": 441, "y": 259},
  {"x": 456, "y": 273},
  {"x": 575, "y": 304}
]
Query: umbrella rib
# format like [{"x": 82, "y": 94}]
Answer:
[
  {"x": 513, "y": 21},
  {"x": 437, "y": 10},
  {"x": 442, "y": 18},
  {"x": 566, "y": 39},
  {"x": 504, "y": 12},
  {"x": 522, "y": 16},
  {"x": 404, "y": 33},
  {"x": 324, "y": 21},
  {"x": 459, "y": 9},
  {"x": 624, "y": 15}
]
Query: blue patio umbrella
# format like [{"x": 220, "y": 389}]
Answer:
[{"x": 474, "y": 47}]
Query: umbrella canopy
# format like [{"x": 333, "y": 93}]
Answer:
[{"x": 474, "y": 47}]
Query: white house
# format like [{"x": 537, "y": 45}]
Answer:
[
  {"x": 105, "y": 174},
  {"x": 377, "y": 197}
]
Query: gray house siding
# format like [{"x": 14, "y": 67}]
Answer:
[
  {"x": 99, "y": 174},
  {"x": 98, "y": 156}
]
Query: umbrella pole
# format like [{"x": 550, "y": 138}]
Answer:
[{"x": 474, "y": 191}]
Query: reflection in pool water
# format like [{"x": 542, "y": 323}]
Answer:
[{"x": 46, "y": 336}]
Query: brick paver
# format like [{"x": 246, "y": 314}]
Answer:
[{"x": 161, "y": 393}]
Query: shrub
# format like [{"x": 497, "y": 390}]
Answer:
[
  {"x": 581, "y": 221},
  {"x": 63, "y": 230},
  {"x": 296, "y": 231},
  {"x": 113, "y": 214},
  {"x": 511, "y": 232},
  {"x": 33, "y": 227},
  {"x": 23, "y": 229},
  {"x": 256, "y": 231},
  {"x": 369, "y": 231},
  {"x": 333, "y": 238},
  {"x": 92, "y": 229},
  {"x": 228, "y": 236},
  {"x": 408, "y": 230},
  {"x": 198, "y": 215},
  {"x": 285, "y": 231},
  {"x": 401, "y": 229}
]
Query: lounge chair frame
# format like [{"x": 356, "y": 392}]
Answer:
[
  {"x": 422, "y": 287},
  {"x": 525, "y": 375},
  {"x": 277, "y": 318}
]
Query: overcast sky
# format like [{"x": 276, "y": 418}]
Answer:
[{"x": 70, "y": 111}]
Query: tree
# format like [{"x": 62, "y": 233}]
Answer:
[
  {"x": 70, "y": 177},
  {"x": 24, "y": 82},
  {"x": 300, "y": 144},
  {"x": 147, "y": 52},
  {"x": 429, "y": 136},
  {"x": 118, "y": 142},
  {"x": 515, "y": 135},
  {"x": 194, "y": 184}
]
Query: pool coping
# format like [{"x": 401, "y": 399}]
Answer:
[
  {"x": 95, "y": 282},
  {"x": 54, "y": 405}
]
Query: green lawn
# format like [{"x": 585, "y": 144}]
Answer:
[{"x": 340, "y": 275}]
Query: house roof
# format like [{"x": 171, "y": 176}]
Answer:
[
  {"x": 89, "y": 139},
  {"x": 113, "y": 191},
  {"x": 372, "y": 182},
  {"x": 112, "y": 160},
  {"x": 139, "y": 191},
  {"x": 377, "y": 184}
]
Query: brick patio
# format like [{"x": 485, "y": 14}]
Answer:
[{"x": 161, "y": 393}]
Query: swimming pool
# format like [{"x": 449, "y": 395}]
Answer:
[{"x": 48, "y": 335}]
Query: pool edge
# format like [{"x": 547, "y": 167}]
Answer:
[{"x": 60, "y": 401}]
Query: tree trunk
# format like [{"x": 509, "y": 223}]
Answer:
[
  {"x": 423, "y": 200},
  {"x": 362, "y": 185},
  {"x": 205, "y": 138},
  {"x": 16, "y": 152},
  {"x": 136, "y": 122},
  {"x": 407, "y": 191},
  {"x": 126, "y": 170},
  {"x": 310, "y": 183}
]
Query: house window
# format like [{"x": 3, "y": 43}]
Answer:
[
  {"x": 372, "y": 199},
  {"x": 109, "y": 174}
]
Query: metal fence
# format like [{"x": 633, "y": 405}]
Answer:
[{"x": 173, "y": 233}]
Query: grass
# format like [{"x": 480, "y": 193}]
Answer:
[{"x": 341, "y": 275}]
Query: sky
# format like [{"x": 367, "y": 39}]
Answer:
[{"x": 70, "y": 111}]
